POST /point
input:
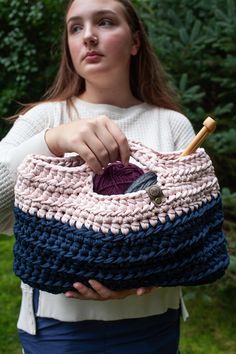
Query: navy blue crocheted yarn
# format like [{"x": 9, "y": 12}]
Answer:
[{"x": 191, "y": 250}]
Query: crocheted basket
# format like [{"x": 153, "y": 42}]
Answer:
[{"x": 168, "y": 235}]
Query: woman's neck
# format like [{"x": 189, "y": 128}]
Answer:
[{"x": 107, "y": 95}]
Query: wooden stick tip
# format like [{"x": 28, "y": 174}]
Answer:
[{"x": 210, "y": 124}]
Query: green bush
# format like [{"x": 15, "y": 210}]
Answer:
[
  {"x": 229, "y": 202},
  {"x": 29, "y": 43}
]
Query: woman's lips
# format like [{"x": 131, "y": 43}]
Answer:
[{"x": 92, "y": 57}]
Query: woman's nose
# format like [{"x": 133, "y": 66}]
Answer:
[{"x": 90, "y": 38}]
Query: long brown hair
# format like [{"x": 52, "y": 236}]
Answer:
[{"x": 147, "y": 78}]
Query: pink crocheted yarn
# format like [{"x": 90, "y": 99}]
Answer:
[
  {"x": 116, "y": 178},
  {"x": 62, "y": 188}
]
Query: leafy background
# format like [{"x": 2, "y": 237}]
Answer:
[{"x": 196, "y": 42}]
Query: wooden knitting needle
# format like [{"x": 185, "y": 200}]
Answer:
[{"x": 209, "y": 126}]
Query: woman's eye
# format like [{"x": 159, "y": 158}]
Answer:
[
  {"x": 76, "y": 29},
  {"x": 105, "y": 23}
]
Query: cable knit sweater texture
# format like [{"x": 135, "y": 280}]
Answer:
[{"x": 161, "y": 129}]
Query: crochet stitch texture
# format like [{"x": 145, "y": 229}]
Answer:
[{"x": 65, "y": 232}]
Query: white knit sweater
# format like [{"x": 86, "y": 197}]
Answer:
[{"x": 160, "y": 129}]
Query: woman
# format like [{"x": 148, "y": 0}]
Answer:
[{"x": 109, "y": 88}]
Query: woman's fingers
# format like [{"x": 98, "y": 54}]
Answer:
[
  {"x": 97, "y": 292},
  {"x": 98, "y": 141},
  {"x": 108, "y": 294},
  {"x": 122, "y": 142},
  {"x": 101, "y": 292},
  {"x": 82, "y": 292},
  {"x": 113, "y": 139},
  {"x": 143, "y": 291},
  {"x": 94, "y": 154},
  {"x": 86, "y": 292}
]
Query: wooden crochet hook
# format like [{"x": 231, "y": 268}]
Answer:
[{"x": 209, "y": 126}]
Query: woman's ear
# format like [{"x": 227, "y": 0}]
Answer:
[{"x": 136, "y": 44}]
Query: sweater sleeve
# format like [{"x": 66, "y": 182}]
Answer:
[{"x": 25, "y": 137}]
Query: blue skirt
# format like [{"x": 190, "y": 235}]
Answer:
[{"x": 150, "y": 335}]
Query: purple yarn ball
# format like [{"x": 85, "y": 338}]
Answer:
[{"x": 116, "y": 178}]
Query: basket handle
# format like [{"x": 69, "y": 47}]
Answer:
[{"x": 143, "y": 154}]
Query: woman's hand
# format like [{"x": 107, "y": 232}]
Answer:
[
  {"x": 102, "y": 293},
  {"x": 98, "y": 141}
]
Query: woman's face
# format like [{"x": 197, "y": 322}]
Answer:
[{"x": 100, "y": 40}]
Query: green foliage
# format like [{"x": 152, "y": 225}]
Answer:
[
  {"x": 29, "y": 37},
  {"x": 9, "y": 299},
  {"x": 229, "y": 200},
  {"x": 233, "y": 265},
  {"x": 210, "y": 327}
]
